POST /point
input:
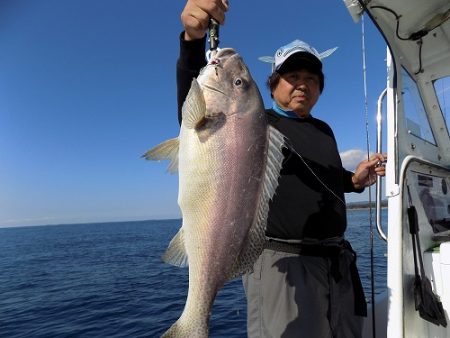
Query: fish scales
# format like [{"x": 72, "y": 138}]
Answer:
[{"x": 228, "y": 160}]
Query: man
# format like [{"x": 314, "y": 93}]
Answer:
[{"x": 305, "y": 283}]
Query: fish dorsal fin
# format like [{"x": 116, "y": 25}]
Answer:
[
  {"x": 176, "y": 251},
  {"x": 274, "y": 162},
  {"x": 167, "y": 150},
  {"x": 194, "y": 107},
  {"x": 257, "y": 233}
]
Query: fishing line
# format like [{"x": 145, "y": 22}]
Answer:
[
  {"x": 372, "y": 272},
  {"x": 291, "y": 148}
]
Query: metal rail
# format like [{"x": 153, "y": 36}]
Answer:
[{"x": 379, "y": 150}]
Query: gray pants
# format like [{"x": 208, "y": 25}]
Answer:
[{"x": 289, "y": 295}]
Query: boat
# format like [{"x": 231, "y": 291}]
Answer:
[{"x": 416, "y": 122}]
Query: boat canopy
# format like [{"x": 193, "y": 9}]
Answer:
[{"x": 417, "y": 33}]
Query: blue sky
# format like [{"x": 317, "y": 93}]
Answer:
[{"x": 86, "y": 87}]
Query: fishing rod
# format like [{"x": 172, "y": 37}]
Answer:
[
  {"x": 213, "y": 32},
  {"x": 371, "y": 231}
]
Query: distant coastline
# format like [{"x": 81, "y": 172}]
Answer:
[
  {"x": 365, "y": 204},
  {"x": 350, "y": 206}
]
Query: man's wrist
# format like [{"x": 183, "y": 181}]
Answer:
[
  {"x": 355, "y": 183},
  {"x": 189, "y": 37}
]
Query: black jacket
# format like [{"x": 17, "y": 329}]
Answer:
[{"x": 302, "y": 206}]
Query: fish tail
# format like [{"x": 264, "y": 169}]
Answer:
[{"x": 187, "y": 329}]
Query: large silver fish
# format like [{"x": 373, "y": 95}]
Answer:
[{"x": 229, "y": 161}]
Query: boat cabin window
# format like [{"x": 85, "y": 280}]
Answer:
[
  {"x": 442, "y": 89},
  {"x": 415, "y": 115}
]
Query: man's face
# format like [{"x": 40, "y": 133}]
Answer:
[{"x": 298, "y": 91}]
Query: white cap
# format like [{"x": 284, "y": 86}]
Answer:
[{"x": 296, "y": 46}]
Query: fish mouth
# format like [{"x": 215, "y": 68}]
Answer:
[
  {"x": 213, "y": 89},
  {"x": 222, "y": 55},
  {"x": 220, "y": 59}
]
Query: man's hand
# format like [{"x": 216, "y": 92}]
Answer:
[
  {"x": 367, "y": 171},
  {"x": 196, "y": 14}
]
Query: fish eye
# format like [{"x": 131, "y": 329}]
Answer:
[{"x": 237, "y": 82}]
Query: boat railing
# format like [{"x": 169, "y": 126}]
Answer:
[{"x": 379, "y": 149}]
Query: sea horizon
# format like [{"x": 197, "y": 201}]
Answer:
[{"x": 360, "y": 205}]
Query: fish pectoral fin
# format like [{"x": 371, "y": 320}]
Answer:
[
  {"x": 167, "y": 150},
  {"x": 176, "y": 251},
  {"x": 194, "y": 107}
]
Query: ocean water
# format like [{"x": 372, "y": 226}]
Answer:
[{"x": 108, "y": 280}]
